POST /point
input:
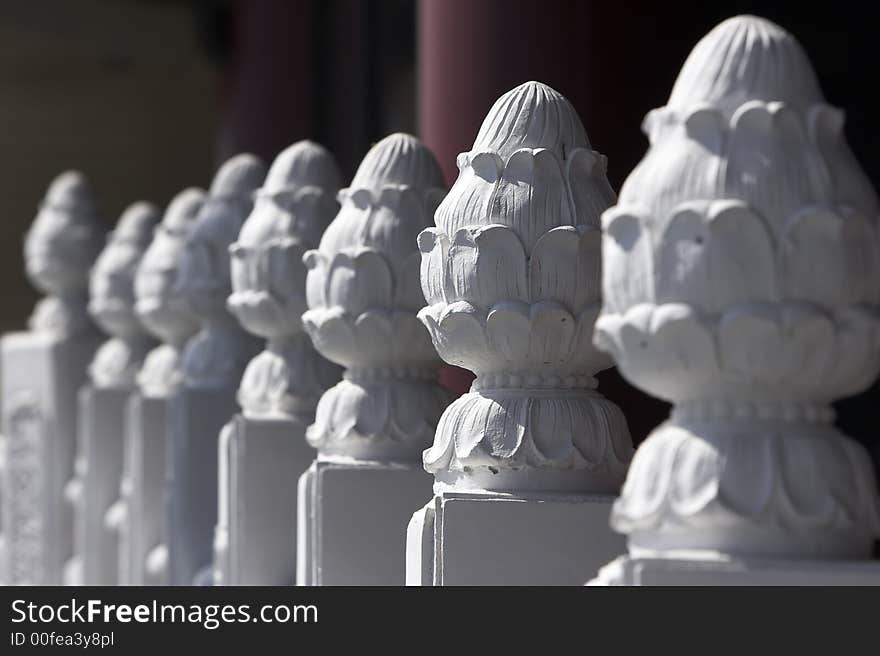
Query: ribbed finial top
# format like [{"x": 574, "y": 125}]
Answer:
[
  {"x": 305, "y": 163},
  {"x": 533, "y": 115},
  {"x": 238, "y": 176},
  {"x": 72, "y": 191},
  {"x": 136, "y": 224},
  {"x": 183, "y": 208},
  {"x": 746, "y": 58},
  {"x": 398, "y": 160}
]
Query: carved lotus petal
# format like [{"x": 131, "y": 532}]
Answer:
[
  {"x": 345, "y": 229},
  {"x": 410, "y": 341},
  {"x": 777, "y": 345},
  {"x": 532, "y": 196},
  {"x": 706, "y": 483},
  {"x": 667, "y": 350},
  {"x": 627, "y": 256},
  {"x": 566, "y": 267},
  {"x": 697, "y": 479},
  {"x": 485, "y": 265},
  {"x": 434, "y": 247},
  {"x": 470, "y": 200},
  {"x": 508, "y": 327},
  {"x": 590, "y": 191},
  {"x": 830, "y": 258},
  {"x": 358, "y": 419},
  {"x": 267, "y": 286},
  {"x": 458, "y": 333},
  {"x": 752, "y": 459},
  {"x": 811, "y": 504},
  {"x": 551, "y": 334},
  {"x": 332, "y": 333},
  {"x": 347, "y": 412},
  {"x": 358, "y": 282},
  {"x": 499, "y": 431},
  {"x": 438, "y": 457},
  {"x": 687, "y": 166},
  {"x": 715, "y": 256},
  {"x": 316, "y": 263},
  {"x": 857, "y": 351},
  {"x": 373, "y": 337},
  {"x": 408, "y": 290},
  {"x": 762, "y": 167},
  {"x": 398, "y": 216},
  {"x": 494, "y": 429},
  {"x": 567, "y": 430},
  {"x": 530, "y": 337},
  {"x": 552, "y": 428},
  {"x": 286, "y": 271},
  {"x": 850, "y": 183}
]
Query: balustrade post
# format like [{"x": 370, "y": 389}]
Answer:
[
  {"x": 143, "y": 550},
  {"x": 42, "y": 370},
  {"x": 263, "y": 450},
  {"x": 742, "y": 284},
  {"x": 370, "y": 428},
  {"x": 526, "y": 465},
  {"x": 213, "y": 362},
  {"x": 94, "y": 489}
]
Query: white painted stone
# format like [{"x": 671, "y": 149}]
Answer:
[
  {"x": 41, "y": 370},
  {"x": 94, "y": 489},
  {"x": 633, "y": 571},
  {"x": 511, "y": 275},
  {"x": 353, "y": 518},
  {"x": 742, "y": 283},
  {"x": 3, "y": 563},
  {"x": 164, "y": 314},
  {"x": 370, "y": 428},
  {"x": 263, "y": 450},
  {"x": 559, "y": 533},
  {"x": 213, "y": 362}
]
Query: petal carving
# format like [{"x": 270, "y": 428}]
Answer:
[
  {"x": 532, "y": 196},
  {"x": 716, "y": 255}
]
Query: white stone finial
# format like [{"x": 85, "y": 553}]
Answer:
[
  {"x": 292, "y": 209},
  {"x": 742, "y": 283},
  {"x": 161, "y": 310},
  {"x": 511, "y": 278},
  {"x": 59, "y": 250},
  {"x": 111, "y": 305},
  {"x": 220, "y": 350},
  {"x": 363, "y": 294}
]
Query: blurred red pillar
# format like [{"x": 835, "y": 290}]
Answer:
[{"x": 270, "y": 99}]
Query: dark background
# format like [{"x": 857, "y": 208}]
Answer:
[{"x": 148, "y": 96}]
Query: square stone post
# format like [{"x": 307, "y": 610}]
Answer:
[
  {"x": 94, "y": 488},
  {"x": 213, "y": 362},
  {"x": 370, "y": 429},
  {"x": 526, "y": 464},
  {"x": 742, "y": 284},
  {"x": 263, "y": 450}
]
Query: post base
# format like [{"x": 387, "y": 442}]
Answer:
[
  {"x": 195, "y": 418},
  {"x": 628, "y": 570},
  {"x": 143, "y": 488},
  {"x": 97, "y": 481},
  {"x": 463, "y": 538},
  {"x": 352, "y": 521},
  {"x": 261, "y": 462},
  {"x": 41, "y": 375}
]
